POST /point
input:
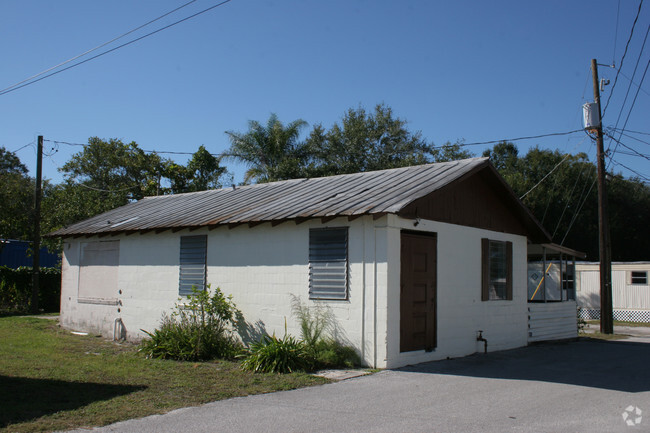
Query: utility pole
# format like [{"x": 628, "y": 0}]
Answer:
[
  {"x": 604, "y": 247},
  {"x": 36, "y": 257}
]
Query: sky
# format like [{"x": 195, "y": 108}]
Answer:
[{"x": 473, "y": 71}]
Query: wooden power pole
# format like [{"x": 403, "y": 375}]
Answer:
[
  {"x": 36, "y": 253},
  {"x": 604, "y": 246}
]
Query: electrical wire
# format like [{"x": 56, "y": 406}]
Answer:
[
  {"x": 578, "y": 209},
  {"x": 629, "y": 87},
  {"x": 635, "y": 153},
  {"x": 547, "y": 175},
  {"x": 99, "y": 46},
  {"x": 637, "y": 132},
  {"x": 641, "y": 176},
  {"x": 620, "y": 66},
  {"x": 634, "y": 138},
  {"x": 554, "y": 134},
  {"x": 21, "y": 148},
  {"x": 643, "y": 90},
  {"x": 631, "y": 108},
  {"x": 107, "y": 190},
  {"x": 4, "y": 92},
  {"x": 618, "y": 10},
  {"x": 158, "y": 152}
]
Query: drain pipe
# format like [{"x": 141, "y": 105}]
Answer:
[
  {"x": 117, "y": 324},
  {"x": 479, "y": 337}
]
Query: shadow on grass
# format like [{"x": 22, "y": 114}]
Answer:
[
  {"x": 23, "y": 399},
  {"x": 613, "y": 365}
]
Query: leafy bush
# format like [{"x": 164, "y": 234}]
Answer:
[
  {"x": 276, "y": 355},
  {"x": 16, "y": 289},
  {"x": 199, "y": 329},
  {"x": 315, "y": 350},
  {"x": 329, "y": 353},
  {"x": 317, "y": 324}
]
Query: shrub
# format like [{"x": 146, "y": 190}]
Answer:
[
  {"x": 329, "y": 353},
  {"x": 199, "y": 329},
  {"x": 276, "y": 355},
  {"x": 16, "y": 289},
  {"x": 317, "y": 325}
]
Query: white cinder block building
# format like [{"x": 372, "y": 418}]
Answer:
[{"x": 413, "y": 261}]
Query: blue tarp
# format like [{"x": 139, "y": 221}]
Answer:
[{"x": 13, "y": 254}]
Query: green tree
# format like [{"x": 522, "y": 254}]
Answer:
[
  {"x": 566, "y": 201},
  {"x": 109, "y": 173},
  {"x": 271, "y": 152},
  {"x": 205, "y": 172},
  {"x": 16, "y": 196},
  {"x": 366, "y": 141}
]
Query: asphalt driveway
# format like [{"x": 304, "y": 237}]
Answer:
[{"x": 583, "y": 386}]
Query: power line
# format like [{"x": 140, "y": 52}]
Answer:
[
  {"x": 98, "y": 46},
  {"x": 554, "y": 134},
  {"x": 578, "y": 209},
  {"x": 643, "y": 90},
  {"x": 620, "y": 66},
  {"x": 637, "y": 132},
  {"x": 547, "y": 175},
  {"x": 158, "y": 152},
  {"x": 618, "y": 10},
  {"x": 628, "y": 147},
  {"x": 633, "y": 137},
  {"x": 629, "y": 87},
  {"x": 107, "y": 190},
  {"x": 21, "y": 148},
  {"x": 641, "y": 176},
  {"x": 631, "y": 107},
  {"x": 4, "y": 92}
]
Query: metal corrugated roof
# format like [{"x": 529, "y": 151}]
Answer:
[{"x": 375, "y": 192}]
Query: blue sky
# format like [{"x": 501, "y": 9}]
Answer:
[{"x": 461, "y": 70}]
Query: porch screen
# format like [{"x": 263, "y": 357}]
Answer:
[
  {"x": 192, "y": 264},
  {"x": 328, "y": 263}
]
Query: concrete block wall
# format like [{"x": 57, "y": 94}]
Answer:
[
  {"x": 147, "y": 286},
  {"x": 460, "y": 310},
  {"x": 264, "y": 267}
]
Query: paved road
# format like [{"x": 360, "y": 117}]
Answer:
[{"x": 582, "y": 386}]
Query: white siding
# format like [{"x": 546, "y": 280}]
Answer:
[
  {"x": 626, "y": 296},
  {"x": 552, "y": 321}
]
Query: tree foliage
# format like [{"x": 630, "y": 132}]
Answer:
[
  {"x": 16, "y": 196},
  {"x": 566, "y": 202},
  {"x": 361, "y": 141},
  {"x": 366, "y": 141},
  {"x": 109, "y": 173},
  {"x": 271, "y": 152}
]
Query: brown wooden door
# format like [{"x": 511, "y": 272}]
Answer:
[{"x": 418, "y": 292}]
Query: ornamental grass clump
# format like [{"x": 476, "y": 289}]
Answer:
[
  {"x": 323, "y": 350},
  {"x": 199, "y": 329},
  {"x": 276, "y": 355},
  {"x": 316, "y": 349}
]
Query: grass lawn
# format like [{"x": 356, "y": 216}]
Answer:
[
  {"x": 622, "y": 323},
  {"x": 599, "y": 336},
  {"x": 53, "y": 380}
]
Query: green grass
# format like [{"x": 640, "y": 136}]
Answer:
[
  {"x": 53, "y": 380},
  {"x": 622, "y": 323},
  {"x": 600, "y": 336}
]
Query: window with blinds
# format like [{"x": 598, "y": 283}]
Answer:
[
  {"x": 328, "y": 263},
  {"x": 192, "y": 264}
]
